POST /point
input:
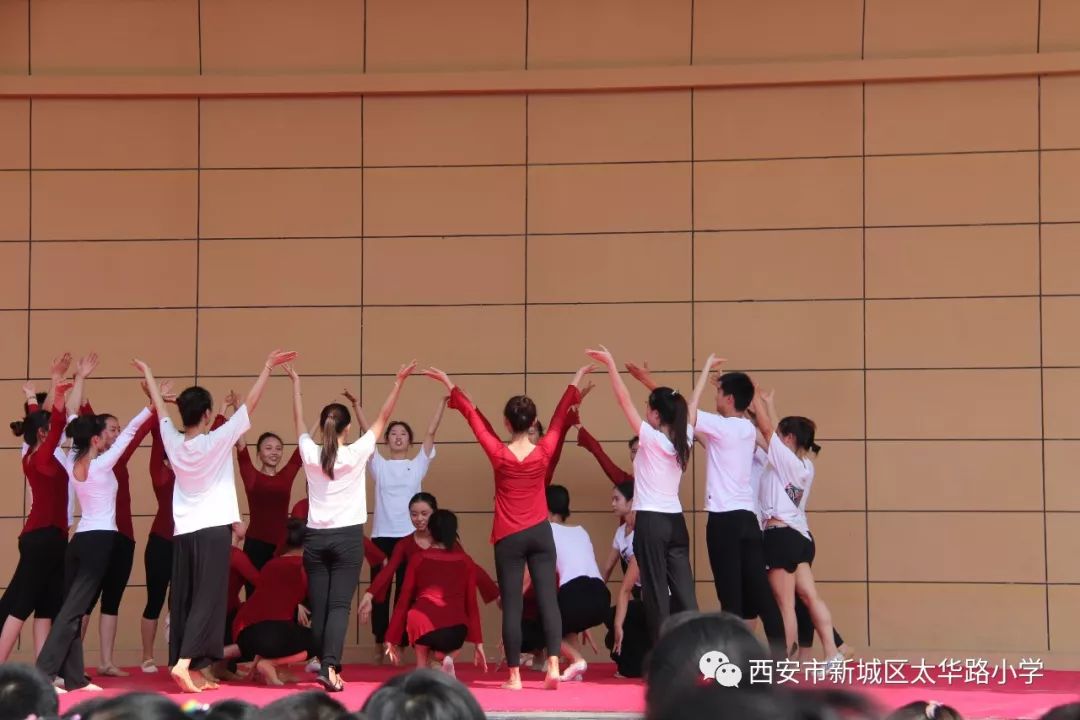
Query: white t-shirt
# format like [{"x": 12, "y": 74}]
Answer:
[
  {"x": 623, "y": 542},
  {"x": 657, "y": 474},
  {"x": 97, "y": 494},
  {"x": 204, "y": 495},
  {"x": 785, "y": 486},
  {"x": 396, "y": 481},
  {"x": 729, "y": 446},
  {"x": 761, "y": 462},
  {"x": 342, "y": 501},
  {"x": 574, "y": 556}
]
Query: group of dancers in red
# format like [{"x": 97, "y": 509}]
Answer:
[{"x": 300, "y": 567}]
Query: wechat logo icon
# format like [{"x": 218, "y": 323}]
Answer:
[{"x": 714, "y": 665}]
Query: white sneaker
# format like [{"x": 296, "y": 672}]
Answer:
[{"x": 313, "y": 666}]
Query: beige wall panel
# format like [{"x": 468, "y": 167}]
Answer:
[
  {"x": 14, "y": 274},
  {"x": 1060, "y": 111},
  {"x": 1062, "y": 539},
  {"x": 1060, "y": 258},
  {"x": 14, "y": 127},
  {"x": 780, "y": 335},
  {"x": 444, "y": 201},
  {"x": 609, "y": 198},
  {"x": 957, "y": 475},
  {"x": 125, "y": 274},
  {"x": 281, "y": 203},
  {"x": 237, "y": 341},
  {"x": 840, "y": 474},
  {"x": 938, "y": 189},
  {"x": 929, "y": 404},
  {"x": 923, "y": 262},
  {"x": 957, "y": 616},
  {"x": 1061, "y": 396},
  {"x": 952, "y": 116},
  {"x": 565, "y": 33},
  {"x": 833, "y": 399},
  {"x": 1060, "y": 25},
  {"x": 266, "y": 36},
  {"x": 8, "y": 560},
  {"x": 559, "y": 334},
  {"x": 433, "y": 35},
  {"x": 964, "y": 547},
  {"x": 444, "y": 270},
  {"x": 13, "y": 325},
  {"x": 1062, "y": 490},
  {"x": 308, "y": 132},
  {"x": 265, "y": 272},
  {"x": 14, "y": 38},
  {"x": 115, "y": 134},
  {"x": 752, "y": 30},
  {"x": 609, "y": 127},
  {"x": 778, "y": 194},
  {"x": 163, "y": 338},
  {"x": 840, "y": 540},
  {"x": 906, "y": 28},
  {"x": 1060, "y": 171},
  {"x": 436, "y": 336},
  {"x": 1060, "y": 318},
  {"x": 71, "y": 36},
  {"x": 1064, "y": 630},
  {"x": 474, "y": 130},
  {"x": 114, "y": 205},
  {"x": 780, "y": 122},
  {"x": 992, "y": 332},
  {"x": 15, "y": 205}
]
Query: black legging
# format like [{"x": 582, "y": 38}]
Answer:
[
  {"x": 535, "y": 547},
  {"x": 662, "y": 549},
  {"x": 380, "y": 610},
  {"x": 37, "y": 587},
  {"x": 116, "y": 577},
  {"x": 259, "y": 552},
  {"x": 332, "y": 559},
  {"x": 157, "y": 561}
]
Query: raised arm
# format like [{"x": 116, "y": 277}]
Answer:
[
  {"x": 615, "y": 473},
  {"x": 275, "y": 358},
  {"x": 297, "y": 400},
  {"x": 481, "y": 428},
  {"x": 703, "y": 380},
  {"x": 108, "y": 459},
  {"x": 403, "y": 374},
  {"x": 151, "y": 387},
  {"x": 433, "y": 427},
  {"x": 83, "y": 368},
  {"x": 622, "y": 394},
  {"x": 643, "y": 375},
  {"x": 57, "y": 421},
  {"x": 358, "y": 411},
  {"x": 764, "y": 414},
  {"x": 57, "y": 371}
]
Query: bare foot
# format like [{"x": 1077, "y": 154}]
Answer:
[
  {"x": 210, "y": 682},
  {"x": 514, "y": 683},
  {"x": 111, "y": 671},
  {"x": 287, "y": 676},
  {"x": 551, "y": 682},
  {"x": 268, "y": 673},
  {"x": 183, "y": 678}
]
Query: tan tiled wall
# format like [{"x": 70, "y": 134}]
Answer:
[{"x": 899, "y": 260}]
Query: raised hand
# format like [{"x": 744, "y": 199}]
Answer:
[
  {"x": 290, "y": 371},
  {"x": 30, "y": 391},
  {"x": 436, "y": 374},
  {"x": 588, "y": 388},
  {"x": 60, "y": 366},
  {"x": 581, "y": 373},
  {"x": 713, "y": 362},
  {"x": 280, "y": 357},
  {"x": 232, "y": 400},
  {"x": 406, "y": 370},
  {"x": 602, "y": 356},
  {"x": 350, "y": 397},
  {"x": 86, "y": 365},
  {"x": 141, "y": 367},
  {"x": 167, "y": 392},
  {"x": 61, "y": 389}
]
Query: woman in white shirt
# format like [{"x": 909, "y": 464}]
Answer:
[
  {"x": 789, "y": 548},
  {"x": 584, "y": 598},
  {"x": 90, "y": 470},
  {"x": 661, "y": 541},
  {"x": 628, "y": 639},
  {"x": 397, "y": 478},
  {"x": 337, "y": 511}
]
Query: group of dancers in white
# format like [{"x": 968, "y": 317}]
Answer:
[{"x": 302, "y": 566}]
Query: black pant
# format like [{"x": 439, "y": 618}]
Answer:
[
  {"x": 662, "y": 549},
  {"x": 157, "y": 561},
  {"x": 197, "y": 604},
  {"x": 737, "y": 557},
  {"x": 274, "y": 639},
  {"x": 444, "y": 640},
  {"x": 534, "y": 547},
  {"x": 116, "y": 577},
  {"x": 583, "y": 604},
  {"x": 259, "y": 552},
  {"x": 87, "y": 560},
  {"x": 332, "y": 559},
  {"x": 37, "y": 587},
  {"x": 631, "y": 658},
  {"x": 380, "y": 611}
]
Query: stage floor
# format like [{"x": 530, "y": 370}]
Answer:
[{"x": 602, "y": 694}]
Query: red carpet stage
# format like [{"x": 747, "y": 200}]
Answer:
[{"x": 601, "y": 693}]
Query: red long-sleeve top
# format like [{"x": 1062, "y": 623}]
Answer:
[
  {"x": 268, "y": 496},
  {"x": 372, "y": 553},
  {"x": 163, "y": 479},
  {"x": 520, "y": 501},
  {"x": 282, "y": 585},
  {"x": 48, "y": 480},
  {"x": 439, "y": 592},
  {"x": 120, "y": 470},
  {"x": 241, "y": 571},
  {"x": 406, "y": 549},
  {"x": 615, "y": 473}
]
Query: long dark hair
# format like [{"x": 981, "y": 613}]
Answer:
[
  {"x": 443, "y": 526},
  {"x": 334, "y": 419},
  {"x": 29, "y": 426},
  {"x": 671, "y": 407},
  {"x": 82, "y": 430},
  {"x": 803, "y": 429}
]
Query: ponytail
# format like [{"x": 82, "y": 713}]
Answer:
[
  {"x": 82, "y": 430},
  {"x": 802, "y": 429},
  {"x": 334, "y": 419},
  {"x": 31, "y": 425},
  {"x": 673, "y": 412}
]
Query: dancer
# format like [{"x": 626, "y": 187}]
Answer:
[
  {"x": 265, "y": 626},
  {"x": 242, "y": 573},
  {"x": 788, "y": 546},
  {"x": 520, "y": 532},
  {"x": 628, "y": 639},
  {"x": 397, "y": 479},
  {"x": 616, "y": 474},
  {"x": 661, "y": 541},
  {"x": 372, "y": 554},
  {"x": 37, "y": 585},
  {"x": 337, "y": 511},
  {"x": 438, "y": 607},
  {"x": 583, "y": 596},
  {"x": 90, "y": 469},
  {"x": 204, "y": 508}
]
